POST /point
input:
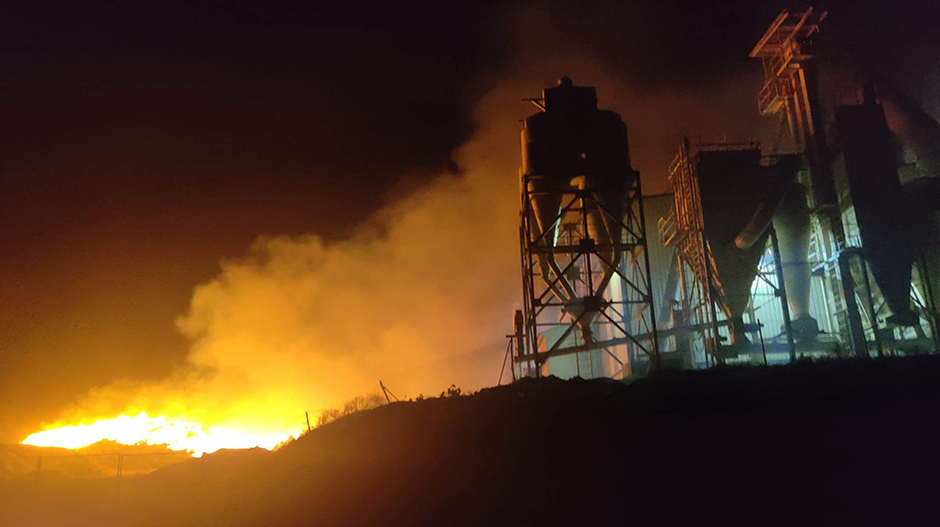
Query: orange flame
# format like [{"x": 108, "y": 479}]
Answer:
[{"x": 176, "y": 434}]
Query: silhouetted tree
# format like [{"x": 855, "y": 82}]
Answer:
[{"x": 356, "y": 404}]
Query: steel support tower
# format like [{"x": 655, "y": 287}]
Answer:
[
  {"x": 621, "y": 309},
  {"x": 790, "y": 91},
  {"x": 583, "y": 241}
]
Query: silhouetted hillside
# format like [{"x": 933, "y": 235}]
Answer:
[{"x": 838, "y": 443}]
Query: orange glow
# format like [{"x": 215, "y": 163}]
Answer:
[{"x": 176, "y": 434}]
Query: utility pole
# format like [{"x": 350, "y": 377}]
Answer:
[
  {"x": 505, "y": 359},
  {"x": 387, "y": 392},
  {"x": 307, "y": 415}
]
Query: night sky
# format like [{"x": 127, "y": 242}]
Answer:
[{"x": 141, "y": 143}]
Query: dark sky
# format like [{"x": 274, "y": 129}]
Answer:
[{"x": 142, "y": 142}]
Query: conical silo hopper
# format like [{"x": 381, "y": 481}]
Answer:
[
  {"x": 922, "y": 202},
  {"x": 785, "y": 204},
  {"x": 739, "y": 199},
  {"x": 919, "y": 135},
  {"x": 792, "y": 223},
  {"x": 871, "y": 162}
]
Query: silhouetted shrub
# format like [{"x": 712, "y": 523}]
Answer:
[{"x": 356, "y": 404}]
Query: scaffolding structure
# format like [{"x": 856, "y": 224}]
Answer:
[
  {"x": 701, "y": 288},
  {"x": 790, "y": 91},
  {"x": 684, "y": 230},
  {"x": 785, "y": 51}
]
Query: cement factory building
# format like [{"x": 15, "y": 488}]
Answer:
[{"x": 829, "y": 250}]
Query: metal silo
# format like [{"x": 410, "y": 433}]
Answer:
[{"x": 585, "y": 271}]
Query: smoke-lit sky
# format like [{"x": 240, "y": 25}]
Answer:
[{"x": 141, "y": 144}]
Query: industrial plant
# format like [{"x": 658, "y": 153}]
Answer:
[
  {"x": 246, "y": 247},
  {"x": 760, "y": 255}
]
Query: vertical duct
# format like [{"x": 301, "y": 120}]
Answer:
[{"x": 792, "y": 225}]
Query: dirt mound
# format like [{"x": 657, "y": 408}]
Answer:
[{"x": 841, "y": 443}]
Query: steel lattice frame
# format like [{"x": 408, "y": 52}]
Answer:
[
  {"x": 623, "y": 321},
  {"x": 693, "y": 252}
]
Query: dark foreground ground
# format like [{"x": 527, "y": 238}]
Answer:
[{"x": 841, "y": 443}]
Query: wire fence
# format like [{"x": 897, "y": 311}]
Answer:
[{"x": 103, "y": 464}]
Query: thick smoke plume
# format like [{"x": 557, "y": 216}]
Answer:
[{"x": 420, "y": 297}]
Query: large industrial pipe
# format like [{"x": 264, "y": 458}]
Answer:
[
  {"x": 870, "y": 152},
  {"x": 792, "y": 226},
  {"x": 785, "y": 204},
  {"x": 777, "y": 184}
]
